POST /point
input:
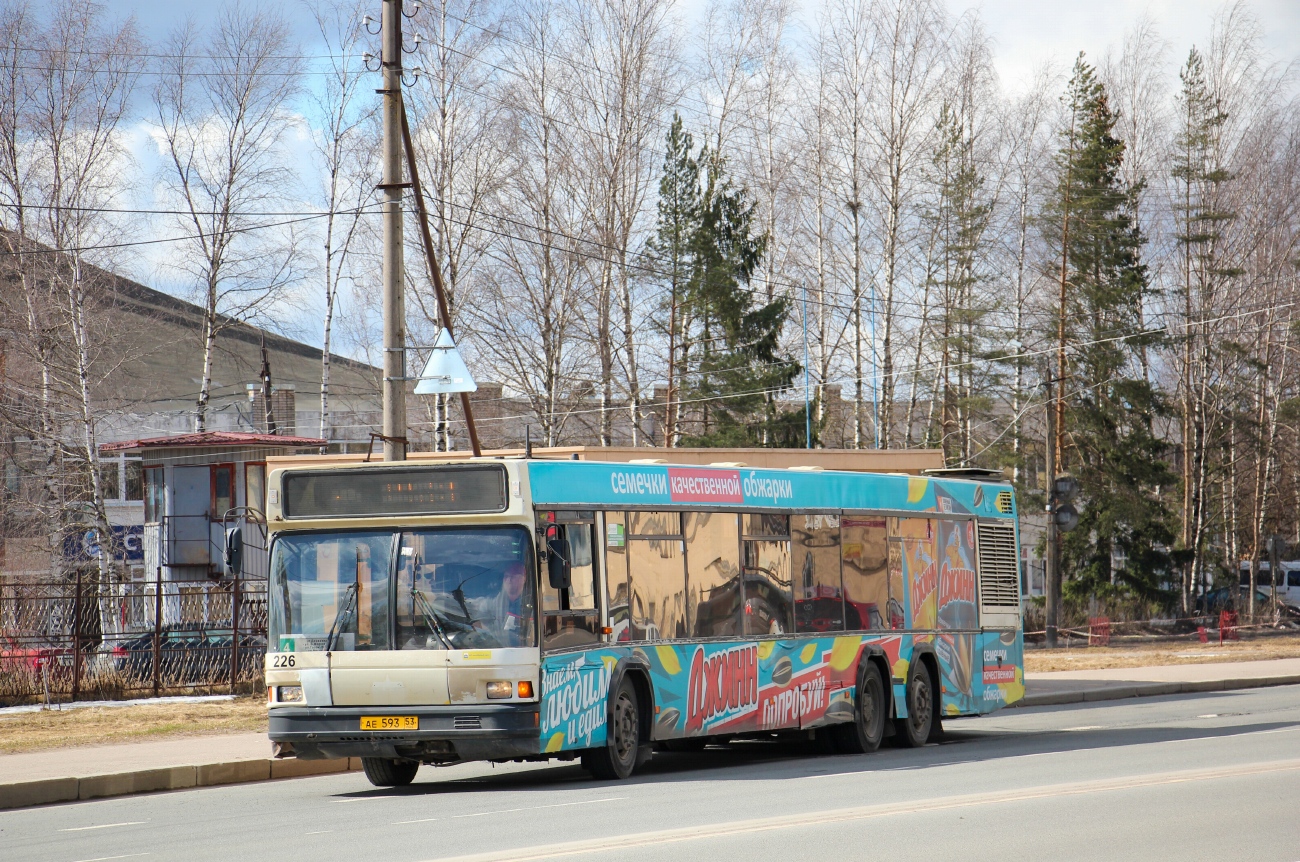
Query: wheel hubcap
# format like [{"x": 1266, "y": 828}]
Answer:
[
  {"x": 920, "y": 704},
  {"x": 624, "y": 728}
]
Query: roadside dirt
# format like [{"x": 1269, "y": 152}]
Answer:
[
  {"x": 34, "y": 731},
  {"x": 1147, "y": 654}
]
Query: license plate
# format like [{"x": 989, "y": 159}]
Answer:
[{"x": 390, "y": 722}]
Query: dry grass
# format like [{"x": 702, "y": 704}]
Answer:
[
  {"x": 34, "y": 731},
  {"x": 1162, "y": 653}
]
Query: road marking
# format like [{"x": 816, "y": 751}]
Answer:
[
  {"x": 1083, "y": 727},
  {"x": 107, "y": 858},
  {"x": 104, "y": 826},
  {"x": 618, "y": 843},
  {"x": 319, "y": 832},
  {"x": 510, "y": 810}
]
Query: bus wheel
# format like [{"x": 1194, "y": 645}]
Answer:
[
  {"x": 617, "y": 757},
  {"x": 383, "y": 772},
  {"x": 914, "y": 731},
  {"x": 863, "y": 734}
]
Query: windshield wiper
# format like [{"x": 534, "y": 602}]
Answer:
[
  {"x": 435, "y": 621},
  {"x": 349, "y": 605}
]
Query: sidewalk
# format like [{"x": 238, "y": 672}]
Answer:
[
  {"x": 62, "y": 775},
  {"x": 65, "y": 774},
  {"x": 1078, "y": 686}
]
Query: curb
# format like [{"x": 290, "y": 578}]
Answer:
[
  {"x": 1151, "y": 689},
  {"x": 29, "y": 793}
]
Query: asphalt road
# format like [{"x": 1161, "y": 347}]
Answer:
[{"x": 1210, "y": 776}]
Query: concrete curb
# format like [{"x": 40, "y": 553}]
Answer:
[
  {"x": 29, "y": 793},
  {"x": 1151, "y": 689}
]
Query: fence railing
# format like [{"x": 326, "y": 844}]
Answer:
[{"x": 77, "y": 639}]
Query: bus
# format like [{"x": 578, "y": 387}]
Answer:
[{"x": 519, "y": 609}]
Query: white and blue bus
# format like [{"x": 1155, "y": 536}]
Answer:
[{"x": 521, "y": 609}]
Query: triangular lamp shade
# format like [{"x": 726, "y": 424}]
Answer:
[{"x": 445, "y": 371}]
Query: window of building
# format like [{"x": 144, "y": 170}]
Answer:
[
  {"x": 153, "y": 495},
  {"x": 223, "y": 490}
]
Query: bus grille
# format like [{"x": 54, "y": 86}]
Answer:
[
  {"x": 467, "y": 722},
  {"x": 999, "y": 578}
]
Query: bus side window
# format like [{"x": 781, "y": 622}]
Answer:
[
  {"x": 570, "y": 617},
  {"x": 865, "y": 555},
  {"x": 767, "y": 609},
  {"x": 713, "y": 574},
  {"x": 616, "y": 584},
  {"x": 656, "y": 575},
  {"x": 818, "y": 593},
  {"x": 920, "y": 572}
]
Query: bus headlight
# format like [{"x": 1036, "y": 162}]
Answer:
[
  {"x": 288, "y": 693},
  {"x": 498, "y": 690}
]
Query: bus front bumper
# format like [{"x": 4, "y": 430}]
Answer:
[{"x": 446, "y": 734}]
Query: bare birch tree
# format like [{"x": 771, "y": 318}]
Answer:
[{"x": 221, "y": 111}]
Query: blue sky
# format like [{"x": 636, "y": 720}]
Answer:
[{"x": 1026, "y": 34}]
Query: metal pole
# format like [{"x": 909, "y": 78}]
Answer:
[
  {"x": 807, "y": 406},
  {"x": 1051, "y": 563},
  {"x": 435, "y": 271},
  {"x": 234, "y": 633},
  {"x": 76, "y": 639},
  {"x": 157, "y": 631},
  {"x": 393, "y": 267}
]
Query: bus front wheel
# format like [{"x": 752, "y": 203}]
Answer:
[
  {"x": 384, "y": 772},
  {"x": 914, "y": 731},
  {"x": 616, "y": 759}
]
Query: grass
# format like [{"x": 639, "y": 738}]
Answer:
[
  {"x": 36, "y": 731},
  {"x": 1146, "y": 654}
]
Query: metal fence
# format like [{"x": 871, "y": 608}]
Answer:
[{"x": 77, "y": 640}]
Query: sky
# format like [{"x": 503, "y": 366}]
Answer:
[{"x": 1027, "y": 34}]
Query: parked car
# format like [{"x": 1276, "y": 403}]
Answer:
[
  {"x": 1231, "y": 599},
  {"x": 187, "y": 654}
]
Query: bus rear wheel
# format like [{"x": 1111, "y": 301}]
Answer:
[
  {"x": 616, "y": 759},
  {"x": 385, "y": 772},
  {"x": 914, "y": 731},
  {"x": 863, "y": 734}
]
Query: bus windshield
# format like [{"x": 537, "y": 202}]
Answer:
[{"x": 442, "y": 588}]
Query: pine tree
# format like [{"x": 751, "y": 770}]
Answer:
[
  {"x": 1200, "y": 176},
  {"x": 1124, "y": 527},
  {"x": 672, "y": 247},
  {"x": 725, "y": 358},
  {"x": 959, "y": 220},
  {"x": 741, "y": 367}
]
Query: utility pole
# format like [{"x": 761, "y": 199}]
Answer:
[
  {"x": 1051, "y": 556},
  {"x": 394, "y": 430}
]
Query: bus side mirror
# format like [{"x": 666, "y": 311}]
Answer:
[
  {"x": 232, "y": 555},
  {"x": 557, "y": 564}
]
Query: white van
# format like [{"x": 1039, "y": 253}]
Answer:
[{"x": 1288, "y": 587}]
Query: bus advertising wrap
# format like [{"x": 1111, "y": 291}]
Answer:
[{"x": 719, "y": 688}]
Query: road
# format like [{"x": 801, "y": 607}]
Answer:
[{"x": 1211, "y": 776}]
